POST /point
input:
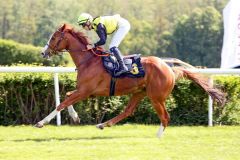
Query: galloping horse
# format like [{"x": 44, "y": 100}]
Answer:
[{"x": 93, "y": 80}]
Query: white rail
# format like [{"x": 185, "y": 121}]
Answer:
[
  {"x": 38, "y": 69},
  {"x": 56, "y": 70},
  {"x": 218, "y": 71}
]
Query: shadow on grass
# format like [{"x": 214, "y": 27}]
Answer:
[{"x": 63, "y": 139}]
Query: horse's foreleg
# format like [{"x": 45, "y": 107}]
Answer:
[
  {"x": 73, "y": 98},
  {"x": 71, "y": 110},
  {"x": 135, "y": 99},
  {"x": 73, "y": 114},
  {"x": 47, "y": 119}
]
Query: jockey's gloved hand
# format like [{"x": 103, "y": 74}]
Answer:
[{"x": 97, "y": 47}]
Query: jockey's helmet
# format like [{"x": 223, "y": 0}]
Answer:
[{"x": 84, "y": 18}]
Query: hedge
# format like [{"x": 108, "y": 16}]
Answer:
[
  {"x": 26, "y": 98},
  {"x": 13, "y": 52}
]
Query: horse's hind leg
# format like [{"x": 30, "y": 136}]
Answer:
[
  {"x": 134, "y": 100},
  {"x": 162, "y": 114}
]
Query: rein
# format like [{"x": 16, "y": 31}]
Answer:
[
  {"x": 94, "y": 53},
  {"x": 106, "y": 54},
  {"x": 55, "y": 48}
]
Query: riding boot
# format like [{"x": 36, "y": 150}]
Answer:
[{"x": 122, "y": 67}]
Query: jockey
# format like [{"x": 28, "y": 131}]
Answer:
[{"x": 106, "y": 25}]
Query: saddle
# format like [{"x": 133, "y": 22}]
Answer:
[{"x": 133, "y": 63}]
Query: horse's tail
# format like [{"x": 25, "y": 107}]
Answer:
[{"x": 201, "y": 81}]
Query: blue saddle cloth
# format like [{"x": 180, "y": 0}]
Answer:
[{"x": 133, "y": 62}]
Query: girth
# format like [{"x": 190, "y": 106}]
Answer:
[{"x": 112, "y": 86}]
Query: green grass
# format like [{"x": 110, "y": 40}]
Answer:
[{"x": 127, "y": 142}]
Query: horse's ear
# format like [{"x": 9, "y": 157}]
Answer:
[
  {"x": 62, "y": 27},
  {"x": 65, "y": 27},
  {"x": 68, "y": 27}
]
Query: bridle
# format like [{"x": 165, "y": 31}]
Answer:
[{"x": 55, "y": 48}]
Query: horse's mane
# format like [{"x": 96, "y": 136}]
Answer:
[{"x": 80, "y": 36}]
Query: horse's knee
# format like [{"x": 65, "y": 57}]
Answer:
[{"x": 68, "y": 94}]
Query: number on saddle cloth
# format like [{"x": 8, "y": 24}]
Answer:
[{"x": 133, "y": 62}]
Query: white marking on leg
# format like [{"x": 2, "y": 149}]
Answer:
[
  {"x": 49, "y": 117},
  {"x": 73, "y": 113},
  {"x": 45, "y": 49},
  {"x": 160, "y": 131}
]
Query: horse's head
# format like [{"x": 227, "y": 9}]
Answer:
[{"x": 56, "y": 43}]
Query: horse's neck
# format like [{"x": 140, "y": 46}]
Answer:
[{"x": 79, "y": 55}]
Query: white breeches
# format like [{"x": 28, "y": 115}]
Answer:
[{"x": 120, "y": 33}]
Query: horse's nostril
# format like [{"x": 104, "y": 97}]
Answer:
[{"x": 44, "y": 55}]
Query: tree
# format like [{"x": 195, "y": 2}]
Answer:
[
  {"x": 152, "y": 21},
  {"x": 198, "y": 38}
]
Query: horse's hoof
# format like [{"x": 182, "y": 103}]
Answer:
[
  {"x": 38, "y": 125},
  {"x": 100, "y": 126},
  {"x": 77, "y": 120}
]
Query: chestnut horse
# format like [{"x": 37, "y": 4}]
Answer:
[{"x": 93, "y": 80}]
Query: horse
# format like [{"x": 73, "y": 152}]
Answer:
[{"x": 93, "y": 80}]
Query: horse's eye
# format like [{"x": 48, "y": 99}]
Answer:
[{"x": 53, "y": 38}]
